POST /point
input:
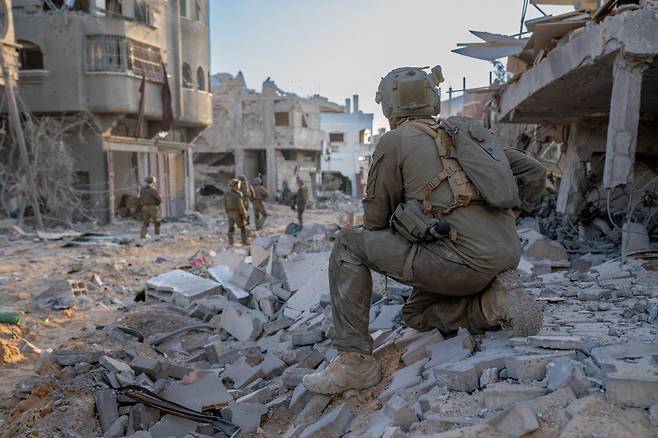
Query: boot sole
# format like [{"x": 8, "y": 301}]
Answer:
[
  {"x": 527, "y": 314},
  {"x": 340, "y": 391}
]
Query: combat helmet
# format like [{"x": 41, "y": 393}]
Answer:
[
  {"x": 410, "y": 92},
  {"x": 149, "y": 179}
]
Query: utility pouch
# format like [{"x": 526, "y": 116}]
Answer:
[{"x": 413, "y": 224}]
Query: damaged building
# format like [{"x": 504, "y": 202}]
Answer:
[
  {"x": 347, "y": 145},
  {"x": 135, "y": 73},
  {"x": 271, "y": 133},
  {"x": 585, "y": 84}
]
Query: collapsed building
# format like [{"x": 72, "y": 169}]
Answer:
[
  {"x": 279, "y": 136},
  {"x": 585, "y": 84},
  {"x": 135, "y": 73}
]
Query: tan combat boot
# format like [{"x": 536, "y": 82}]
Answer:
[
  {"x": 230, "y": 239},
  {"x": 506, "y": 303},
  {"x": 348, "y": 370}
]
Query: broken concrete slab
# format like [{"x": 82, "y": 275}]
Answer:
[
  {"x": 611, "y": 270},
  {"x": 311, "y": 279},
  {"x": 333, "y": 424},
  {"x": 543, "y": 252},
  {"x": 417, "y": 350},
  {"x": 465, "y": 374},
  {"x": 313, "y": 408},
  {"x": 261, "y": 250},
  {"x": 242, "y": 323},
  {"x": 639, "y": 389},
  {"x": 245, "y": 415},
  {"x": 241, "y": 373},
  {"x": 142, "y": 417},
  {"x": 73, "y": 357},
  {"x": 608, "y": 357},
  {"x": 298, "y": 272},
  {"x": 207, "y": 389},
  {"x": 452, "y": 350},
  {"x": 181, "y": 287},
  {"x": 115, "y": 365},
  {"x": 247, "y": 276},
  {"x": 118, "y": 428},
  {"x": 308, "y": 337},
  {"x": 229, "y": 258},
  {"x": 499, "y": 395},
  {"x": 404, "y": 378},
  {"x": 281, "y": 323},
  {"x": 565, "y": 372},
  {"x": 557, "y": 342},
  {"x": 106, "y": 407},
  {"x": 515, "y": 421},
  {"x": 172, "y": 426},
  {"x": 272, "y": 366},
  {"x": 59, "y": 295},
  {"x": 153, "y": 368},
  {"x": 261, "y": 396},
  {"x": 300, "y": 396},
  {"x": 386, "y": 317},
  {"x": 400, "y": 412},
  {"x": 532, "y": 366}
]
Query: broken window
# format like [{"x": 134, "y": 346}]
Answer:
[
  {"x": 364, "y": 136},
  {"x": 143, "y": 12},
  {"x": 144, "y": 59},
  {"x": 187, "y": 76},
  {"x": 200, "y": 79},
  {"x": 106, "y": 53},
  {"x": 281, "y": 119},
  {"x": 30, "y": 56},
  {"x": 113, "y": 6},
  {"x": 304, "y": 122},
  {"x": 336, "y": 137},
  {"x": 183, "y": 8}
]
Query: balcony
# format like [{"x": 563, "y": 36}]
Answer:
[{"x": 196, "y": 108}]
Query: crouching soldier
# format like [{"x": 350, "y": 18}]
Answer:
[
  {"x": 150, "y": 200},
  {"x": 236, "y": 212},
  {"x": 438, "y": 216},
  {"x": 260, "y": 195}
]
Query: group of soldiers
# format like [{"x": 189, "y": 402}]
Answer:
[{"x": 236, "y": 204}]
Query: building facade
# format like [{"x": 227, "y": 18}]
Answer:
[
  {"x": 136, "y": 74},
  {"x": 271, "y": 133},
  {"x": 347, "y": 145}
]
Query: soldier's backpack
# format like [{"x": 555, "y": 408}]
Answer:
[{"x": 474, "y": 164}]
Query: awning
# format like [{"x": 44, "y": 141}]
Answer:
[{"x": 127, "y": 144}]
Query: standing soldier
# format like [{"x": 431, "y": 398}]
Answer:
[
  {"x": 437, "y": 217},
  {"x": 247, "y": 193},
  {"x": 236, "y": 212},
  {"x": 149, "y": 199},
  {"x": 301, "y": 199},
  {"x": 260, "y": 195}
]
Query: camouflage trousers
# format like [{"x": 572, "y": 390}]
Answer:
[
  {"x": 260, "y": 213},
  {"x": 300, "y": 216},
  {"x": 232, "y": 223},
  {"x": 446, "y": 292},
  {"x": 150, "y": 214}
]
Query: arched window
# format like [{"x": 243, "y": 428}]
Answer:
[
  {"x": 200, "y": 79},
  {"x": 30, "y": 56},
  {"x": 187, "y": 76}
]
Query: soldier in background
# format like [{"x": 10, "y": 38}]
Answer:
[
  {"x": 260, "y": 195},
  {"x": 247, "y": 191},
  {"x": 236, "y": 212},
  {"x": 301, "y": 199},
  {"x": 150, "y": 200}
]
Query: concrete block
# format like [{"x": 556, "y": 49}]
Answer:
[
  {"x": 261, "y": 396},
  {"x": 246, "y": 415},
  {"x": 172, "y": 426},
  {"x": 608, "y": 358},
  {"x": 638, "y": 390},
  {"x": 265, "y": 299},
  {"x": 308, "y": 337},
  {"x": 281, "y": 323},
  {"x": 312, "y": 360},
  {"x": 452, "y": 350},
  {"x": 543, "y": 252},
  {"x": 176, "y": 371},
  {"x": 309, "y": 277},
  {"x": 114, "y": 365},
  {"x": 515, "y": 421},
  {"x": 404, "y": 378},
  {"x": 142, "y": 417},
  {"x": 386, "y": 317},
  {"x": 532, "y": 366},
  {"x": 417, "y": 349},
  {"x": 281, "y": 293},
  {"x": 271, "y": 366},
  {"x": 300, "y": 396},
  {"x": 205, "y": 390},
  {"x": 285, "y": 245},
  {"x": 181, "y": 287},
  {"x": 261, "y": 250},
  {"x": 400, "y": 412},
  {"x": 565, "y": 372},
  {"x": 240, "y": 373},
  {"x": 248, "y": 276},
  {"x": 153, "y": 368},
  {"x": 118, "y": 428},
  {"x": 293, "y": 376},
  {"x": 611, "y": 270},
  {"x": 106, "y": 407},
  {"x": 557, "y": 342},
  {"x": 242, "y": 323},
  {"x": 475, "y": 431},
  {"x": 229, "y": 258},
  {"x": 332, "y": 424},
  {"x": 72, "y": 357},
  {"x": 313, "y": 408},
  {"x": 488, "y": 377},
  {"x": 437, "y": 393},
  {"x": 465, "y": 375},
  {"x": 499, "y": 395}
]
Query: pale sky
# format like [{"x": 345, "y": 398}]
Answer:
[{"x": 337, "y": 48}]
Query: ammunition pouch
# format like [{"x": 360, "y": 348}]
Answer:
[{"x": 416, "y": 226}]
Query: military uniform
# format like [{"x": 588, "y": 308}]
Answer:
[
  {"x": 446, "y": 276},
  {"x": 260, "y": 213},
  {"x": 301, "y": 199},
  {"x": 462, "y": 272},
  {"x": 150, "y": 200},
  {"x": 237, "y": 215},
  {"x": 247, "y": 191}
]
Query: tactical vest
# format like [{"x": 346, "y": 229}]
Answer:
[
  {"x": 473, "y": 162},
  {"x": 233, "y": 198}
]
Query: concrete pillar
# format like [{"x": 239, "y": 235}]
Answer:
[
  {"x": 623, "y": 120},
  {"x": 190, "y": 188},
  {"x": 239, "y": 161},
  {"x": 270, "y": 161}
]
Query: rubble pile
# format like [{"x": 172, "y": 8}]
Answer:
[{"x": 233, "y": 335}]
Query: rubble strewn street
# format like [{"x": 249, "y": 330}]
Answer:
[{"x": 236, "y": 337}]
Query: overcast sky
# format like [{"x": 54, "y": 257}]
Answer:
[{"x": 337, "y": 48}]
